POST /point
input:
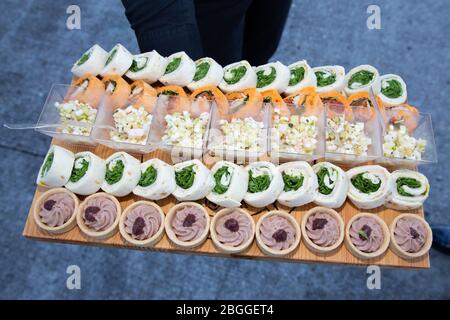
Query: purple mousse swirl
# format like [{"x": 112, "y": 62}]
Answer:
[
  {"x": 142, "y": 222},
  {"x": 57, "y": 209},
  {"x": 100, "y": 212},
  {"x": 189, "y": 223},
  {"x": 366, "y": 234},
  {"x": 323, "y": 229},
  {"x": 234, "y": 228},
  {"x": 410, "y": 234},
  {"x": 277, "y": 232}
]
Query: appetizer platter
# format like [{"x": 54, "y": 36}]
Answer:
[{"x": 277, "y": 162}]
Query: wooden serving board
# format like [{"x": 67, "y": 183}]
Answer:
[{"x": 301, "y": 254}]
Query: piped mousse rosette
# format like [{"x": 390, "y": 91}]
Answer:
[
  {"x": 193, "y": 180},
  {"x": 142, "y": 224},
  {"x": 367, "y": 236},
  {"x": 88, "y": 173},
  {"x": 98, "y": 215},
  {"x": 277, "y": 233},
  {"x": 55, "y": 211},
  {"x": 265, "y": 184},
  {"x": 157, "y": 180},
  {"x": 232, "y": 230},
  {"x": 187, "y": 224},
  {"x": 300, "y": 184},
  {"x": 123, "y": 172},
  {"x": 56, "y": 169},
  {"x": 333, "y": 185},
  {"x": 322, "y": 229},
  {"x": 409, "y": 190},
  {"x": 369, "y": 186},
  {"x": 411, "y": 236}
]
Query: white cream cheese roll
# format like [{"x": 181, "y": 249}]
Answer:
[
  {"x": 300, "y": 184},
  {"x": 194, "y": 181},
  {"x": 148, "y": 66},
  {"x": 180, "y": 70},
  {"x": 329, "y": 78},
  {"x": 207, "y": 73},
  {"x": 122, "y": 174},
  {"x": 231, "y": 182},
  {"x": 238, "y": 76},
  {"x": 369, "y": 186},
  {"x": 409, "y": 190},
  {"x": 333, "y": 185},
  {"x": 393, "y": 90},
  {"x": 92, "y": 62},
  {"x": 272, "y": 76},
  {"x": 118, "y": 62},
  {"x": 264, "y": 184},
  {"x": 56, "y": 168},
  {"x": 361, "y": 79},
  {"x": 301, "y": 76},
  {"x": 88, "y": 173},
  {"x": 157, "y": 180}
]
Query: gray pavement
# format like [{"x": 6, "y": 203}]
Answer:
[{"x": 37, "y": 50}]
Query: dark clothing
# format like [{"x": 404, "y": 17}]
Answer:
[{"x": 225, "y": 30}]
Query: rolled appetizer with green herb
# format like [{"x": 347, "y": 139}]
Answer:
[
  {"x": 148, "y": 66},
  {"x": 194, "y": 181},
  {"x": 118, "y": 62},
  {"x": 301, "y": 76},
  {"x": 409, "y": 190},
  {"x": 207, "y": 73},
  {"x": 329, "y": 78},
  {"x": 180, "y": 70},
  {"x": 56, "y": 168},
  {"x": 237, "y": 77},
  {"x": 265, "y": 184},
  {"x": 92, "y": 62},
  {"x": 88, "y": 174},
  {"x": 333, "y": 185},
  {"x": 369, "y": 186},
  {"x": 361, "y": 79},
  {"x": 122, "y": 174},
  {"x": 300, "y": 184},
  {"x": 272, "y": 76},
  {"x": 231, "y": 182},
  {"x": 157, "y": 180},
  {"x": 393, "y": 90}
]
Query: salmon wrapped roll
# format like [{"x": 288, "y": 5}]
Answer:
[
  {"x": 117, "y": 91},
  {"x": 174, "y": 98},
  {"x": 403, "y": 114},
  {"x": 171, "y": 91},
  {"x": 89, "y": 89},
  {"x": 336, "y": 104},
  {"x": 204, "y": 95},
  {"x": 143, "y": 95},
  {"x": 245, "y": 103},
  {"x": 366, "y": 109},
  {"x": 273, "y": 97},
  {"x": 306, "y": 97}
]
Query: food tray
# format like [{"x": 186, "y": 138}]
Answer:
[{"x": 300, "y": 254}]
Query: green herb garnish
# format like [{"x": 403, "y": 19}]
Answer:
[
  {"x": 78, "y": 173},
  {"x": 219, "y": 187},
  {"x": 292, "y": 183},
  {"x": 363, "y": 235},
  {"x": 322, "y": 80},
  {"x": 393, "y": 90},
  {"x": 236, "y": 75},
  {"x": 115, "y": 174},
  {"x": 201, "y": 71},
  {"x": 168, "y": 93},
  {"x": 148, "y": 177},
  {"x": 111, "y": 56},
  {"x": 264, "y": 80},
  {"x": 173, "y": 65},
  {"x": 363, "y": 184},
  {"x": 362, "y": 77},
  {"x": 185, "y": 177},
  {"x": 134, "y": 66},
  {"x": 323, "y": 189},
  {"x": 297, "y": 75},
  {"x": 84, "y": 58},
  {"x": 410, "y": 182},
  {"x": 47, "y": 164},
  {"x": 259, "y": 183}
]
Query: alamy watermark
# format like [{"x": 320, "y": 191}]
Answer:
[
  {"x": 374, "y": 278},
  {"x": 374, "y": 18},
  {"x": 73, "y": 21},
  {"x": 73, "y": 281}
]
